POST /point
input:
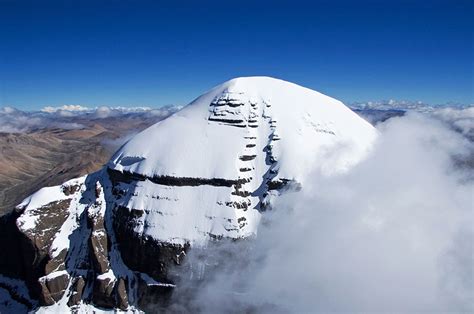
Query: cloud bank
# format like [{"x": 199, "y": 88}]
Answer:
[
  {"x": 461, "y": 119},
  {"x": 73, "y": 116},
  {"x": 457, "y": 116},
  {"x": 394, "y": 234}
]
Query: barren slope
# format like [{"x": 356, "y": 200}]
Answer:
[{"x": 46, "y": 157}]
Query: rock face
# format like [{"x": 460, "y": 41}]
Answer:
[{"x": 207, "y": 172}]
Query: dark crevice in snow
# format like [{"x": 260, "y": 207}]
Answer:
[{"x": 226, "y": 120}]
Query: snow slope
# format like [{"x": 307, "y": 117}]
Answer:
[
  {"x": 209, "y": 170},
  {"x": 188, "y": 144},
  {"x": 257, "y": 129}
]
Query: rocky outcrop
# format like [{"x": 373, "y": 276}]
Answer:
[
  {"x": 96, "y": 266},
  {"x": 52, "y": 289},
  {"x": 29, "y": 250},
  {"x": 76, "y": 291},
  {"x": 128, "y": 177},
  {"x": 137, "y": 252}
]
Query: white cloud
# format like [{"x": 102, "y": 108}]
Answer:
[
  {"x": 405, "y": 105},
  {"x": 72, "y": 116},
  {"x": 394, "y": 234},
  {"x": 460, "y": 118},
  {"x": 50, "y": 109}
]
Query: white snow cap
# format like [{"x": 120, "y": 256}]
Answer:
[
  {"x": 308, "y": 124},
  {"x": 208, "y": 170},
  {"x": 254, "y": 134}
]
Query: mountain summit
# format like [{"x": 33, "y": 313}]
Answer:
[
  {"x": 207, "y": 172},
  {"x": 227, "y": 151}
]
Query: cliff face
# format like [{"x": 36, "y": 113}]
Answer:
[
  {"x": 66, "y": 250},
  {"x": 208, "y": 172}
]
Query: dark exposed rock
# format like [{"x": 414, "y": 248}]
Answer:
[
  {"x": 283, "y": 183},
  {"x": 137, "y": 213},
  {"x": 242, "y": 221},
  {"x": 71, "y": 189},
  {"x": 122, "y": 298},
  {"x": 98, "y": 240},
  {"x": 277, "y": 184},
  {"x": 56, "y": 263},
  {"x": 231, "y": 121},
  {"x": 240, "y": 205},
  {"x": 99, "y": 253},
  {"x": 50, "y": 219},
  {"x": 52, "y": 289},
  {"x": 241, "y": 193},
  {"x": 76, "y": 291},
  {"x": 234, "y": 104},
  {"x": 117, "y": 176},
  {"x": 153, "y": 298},
  {"x": 226, "y": 102},
  {"x": 103, "y": 292},
  {"x": 247, "y": 157},
  {"x": 137, "y": 251},
  {"x": 29, "y": 257}
]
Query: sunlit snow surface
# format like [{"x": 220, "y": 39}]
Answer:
[
  {"x": 309, "y": 123},
  {"x": 247, "y": 131},
  {"x": 211, "y": 138}
]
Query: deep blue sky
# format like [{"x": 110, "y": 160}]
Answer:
[{"x": 156, "y": 53}]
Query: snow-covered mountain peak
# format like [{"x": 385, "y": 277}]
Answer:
[
  {"x": 211, "y": 130},
  {"x": 226, "y": 150},
  {"x": 210, "y": 171}
]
